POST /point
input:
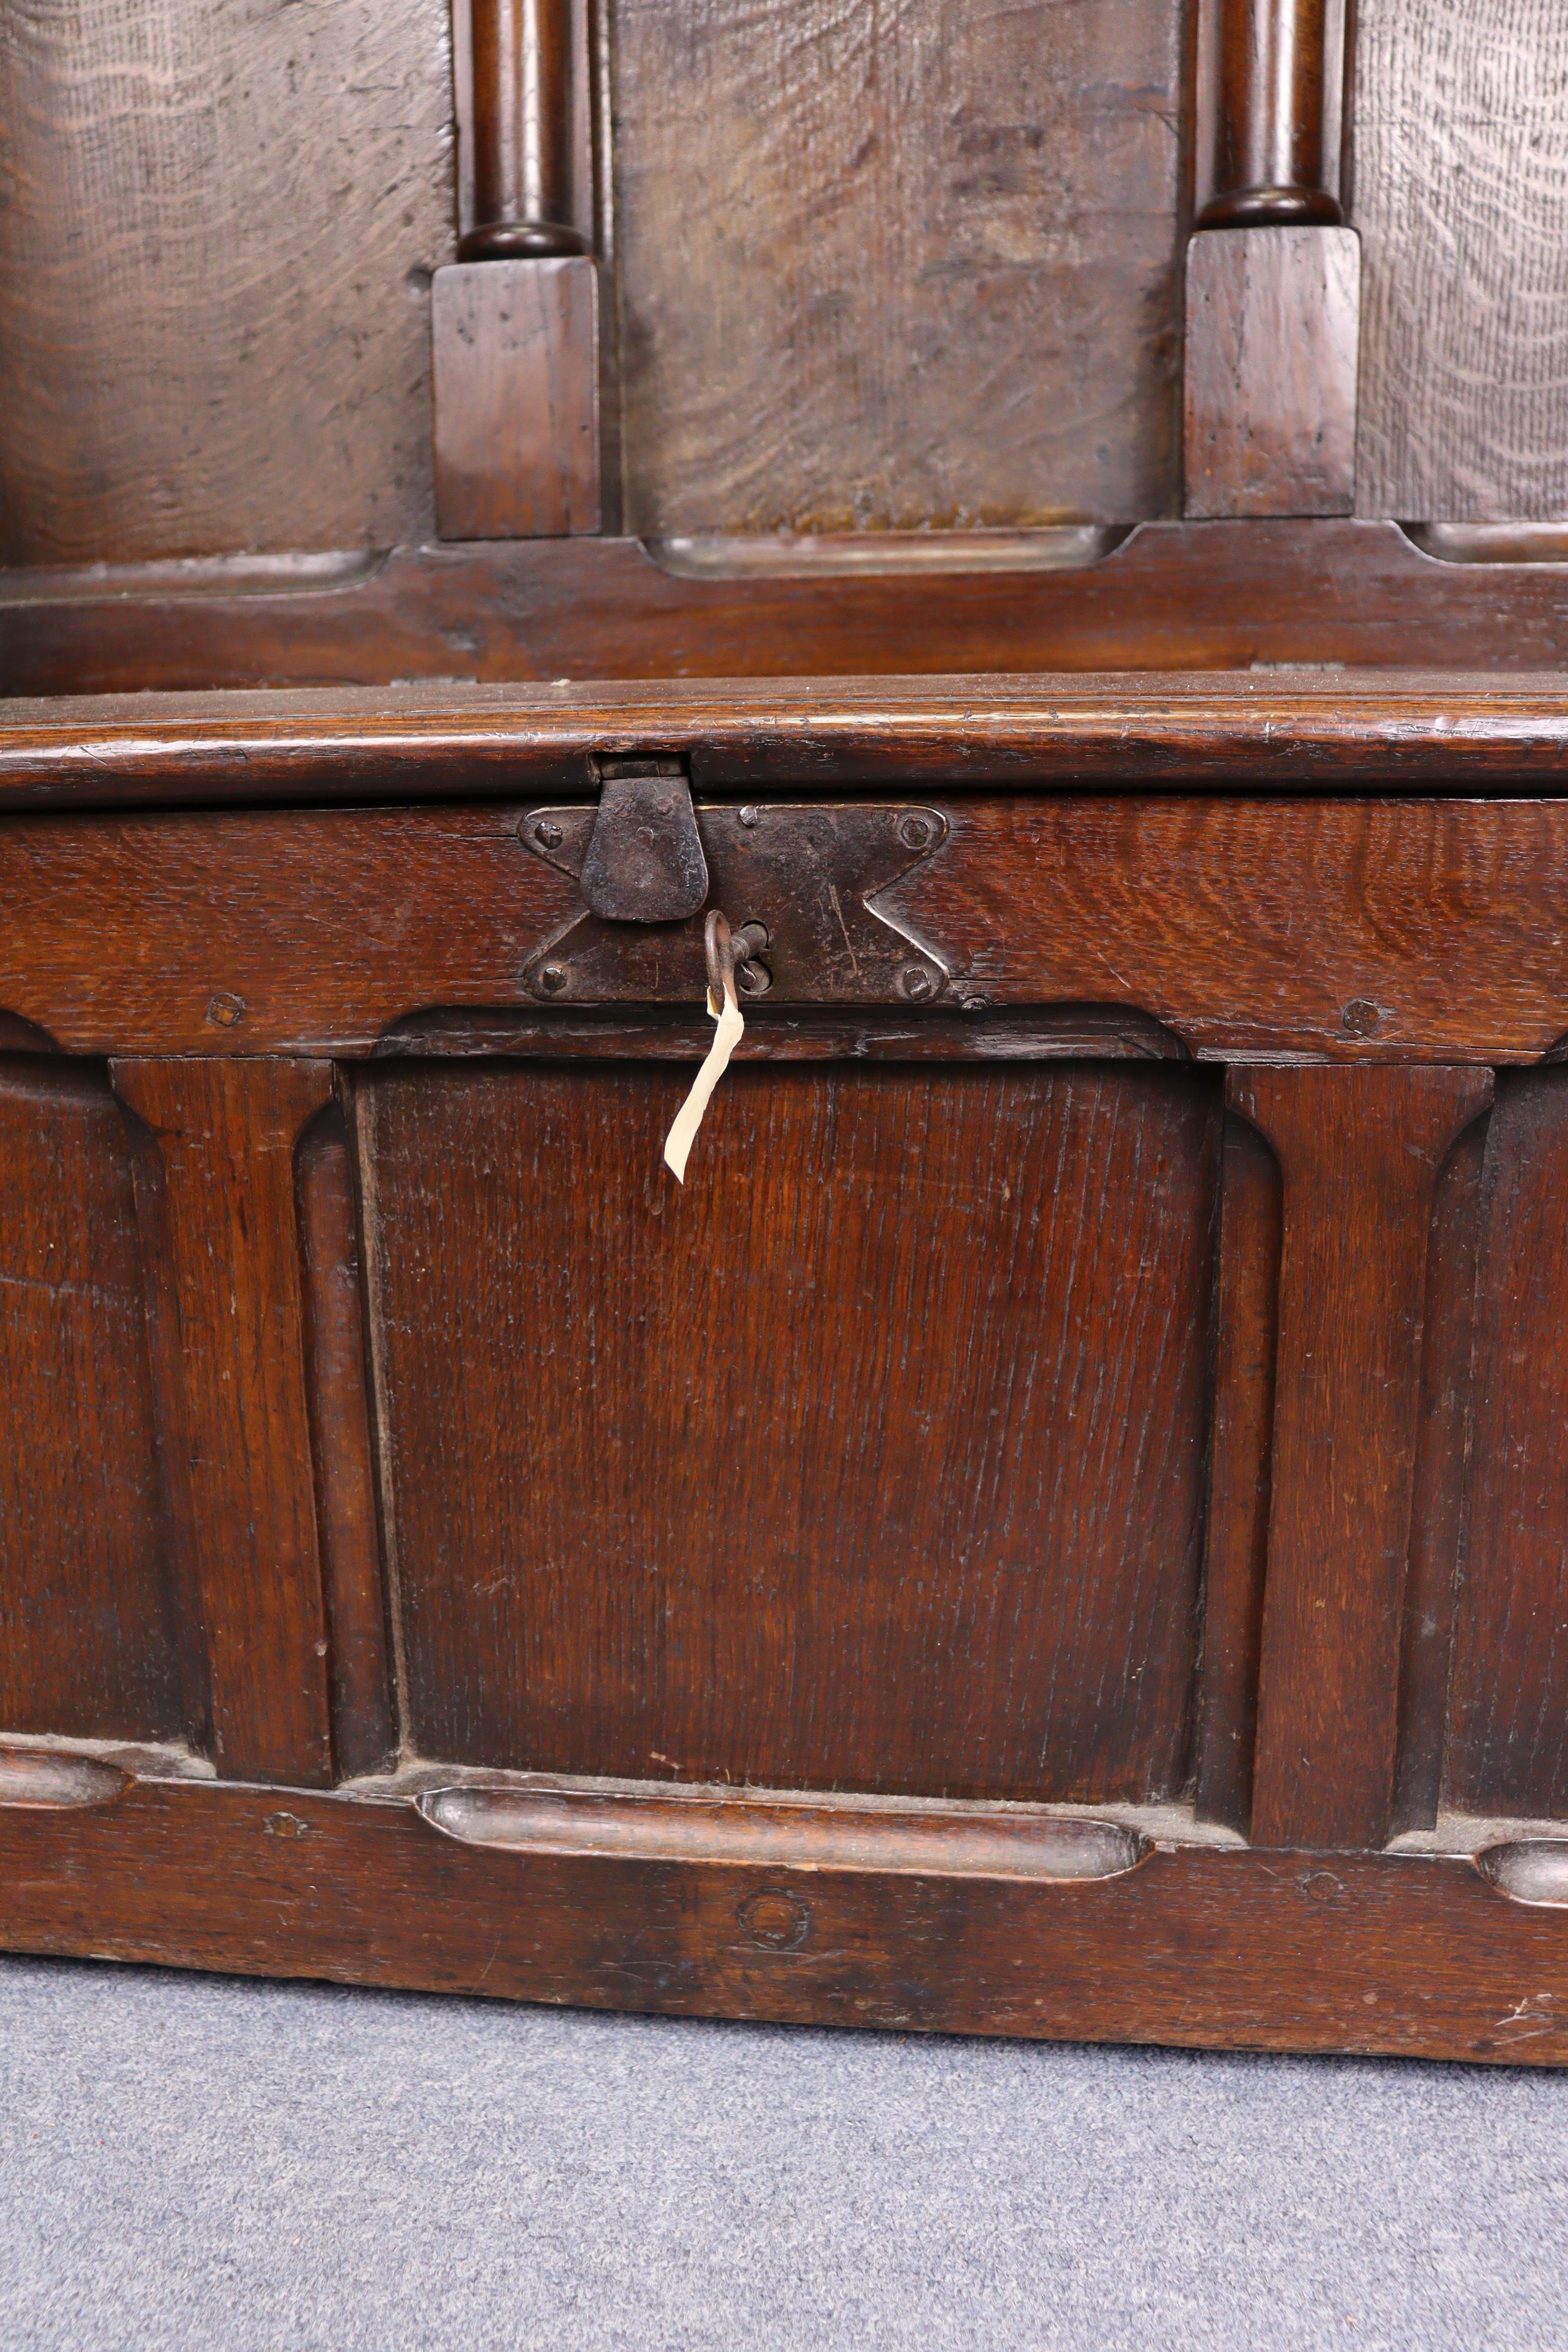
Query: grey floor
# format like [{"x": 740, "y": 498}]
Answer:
[{"x": 195, "y": 2161}]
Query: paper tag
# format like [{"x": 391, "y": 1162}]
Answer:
[{"x": 731, "y": 1028}]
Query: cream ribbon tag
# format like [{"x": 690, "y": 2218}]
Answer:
[{"x": 731, "y": 1028}]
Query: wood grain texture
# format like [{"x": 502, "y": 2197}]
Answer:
[
  {"x": 577, "y": 198},
  {"x": 1508, "y": 1746},
  {"x": 871, "y": 1459},
  {"x": 1397, "y": 1954},
  {"x": 365, "y": 1736},
  {"x": 215, "y": 243},
  {"x": 521, "y": 60},
  {"x": 1224, "y": 596},
  {"x": 1439, "y": 734},
  {"x": 88, "y": 1645},
  {"x": 658, "y": 1822},
  {"x": 1433, "y": 938},
  {"x": 1438, "y": 1503},
  {"x": 516, "y": 364},
  {"x": 898, "y": 268},
  {"x": 1461, "y": 197},
  {"x": 1360, "y": 1151},
  {"x": 1273, "y": 331},
  {"x": 229, "y": 1370},
  {"x": 1236, "y": 1548},
  {"x": 1270, "y": 108}
]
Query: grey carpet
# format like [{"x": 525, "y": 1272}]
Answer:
[{"x": 191, "y": 2161}]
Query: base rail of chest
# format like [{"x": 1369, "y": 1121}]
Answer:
[{"x": 1409, "y": 1955}]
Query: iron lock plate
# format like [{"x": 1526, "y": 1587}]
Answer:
[{"x": 809, "y": 876}]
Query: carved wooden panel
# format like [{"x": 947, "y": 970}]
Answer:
[
  {"x": 1508, "y": 1746},
  {"x": 216, "y": 227},
  {"x": 87, "y": 1636},
  {"x": 1461, "y": 197},
  {"x": 886, "y": 268},
  {"x": 873, "y": 1459}
]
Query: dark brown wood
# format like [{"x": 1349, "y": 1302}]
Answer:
[
  {"x": 521, "y": 59},
  {"x": 364, "y": 1736},
  {"x": 1437, "y": 1504},
  {"x": 87, "y": 1640},
  {"x": 1173, "y": 596},
  {"x": 775, "y": 1033},
  {"x": 1400, "y": 1954},
  {"x": 1274, "y": 112},
  {"x": 516, "y": 372},
  {"x": 632, "y": 1535},
  {"x": 1508, "y": 1749},
  {"x": 1461, "y": 198},
  {"x": 215, "y": 258},
  {"x": 1360, "y": 1151},
  {"x": 1021, "y": 1465},
  {"x": 1432, "y": 935},
  {"x": 1431, "y": 732},
  {"x": 1236, "y": 1539},
  {"x": 1273, "y": 327},
  {"x": 229, "y": 1371},
  {"x": 903, "y": 269}
]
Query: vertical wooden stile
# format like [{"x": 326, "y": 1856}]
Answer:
[
  {"x": 230, "y": 1379},
  {"x": 1361, "y": 1151}
]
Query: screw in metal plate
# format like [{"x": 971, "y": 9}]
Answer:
[
  {"x": 553, "y": 978},
  {"x": 750, "y": 817},
  {"x": 547, "y": 835},
  {"x": 917, "y": 831},
  {"x": 917, "y": 983}
]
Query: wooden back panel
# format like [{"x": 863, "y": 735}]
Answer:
[
  {"x": 215, "y": 256},
  {"x": 913, "y": 269},
  {"x": 901, "y": 268}
]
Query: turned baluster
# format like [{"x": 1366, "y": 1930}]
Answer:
[
  {"x": 515, "y": 319},
  {"x": 522, "y": 52},
  {"x": 1277, "y": 66},
  {"x": 1273, "y": 277}
]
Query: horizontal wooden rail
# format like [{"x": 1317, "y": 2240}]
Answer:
[
  {"x": 1194, "y": 596},
  {"x": 1253, "y": 930},
  {"x": 1414, "y": 1956},
  {"x": 1421, "y": 731}
]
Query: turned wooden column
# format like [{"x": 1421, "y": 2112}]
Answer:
[
  {"x": 522, "y": 52},
  {"x": 515, "y": 321},
  {"x": 1270, "y": 166},
  {"x": 1273, "y": 275}
]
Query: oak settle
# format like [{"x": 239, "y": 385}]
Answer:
[{"x": 1055, "y": 526}]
